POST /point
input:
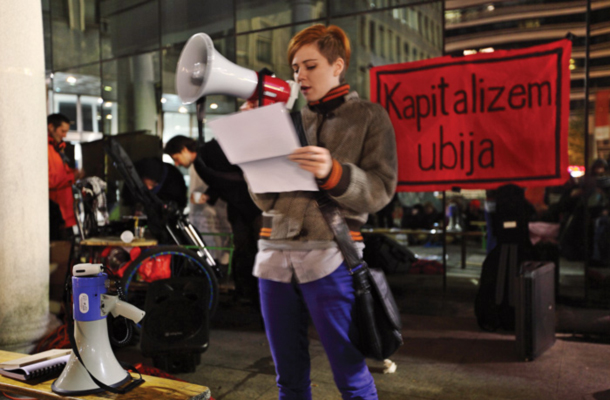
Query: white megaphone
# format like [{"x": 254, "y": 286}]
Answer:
[
  {"x": 91, "y": 306},
  {"x": 203, "y": 71}
]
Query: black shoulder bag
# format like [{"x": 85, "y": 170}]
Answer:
[{"x": 376, "y": 314}]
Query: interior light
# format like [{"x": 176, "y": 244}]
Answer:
[
  {"x": 71, "y": 80},
  {"x": 576, "y": 171},
  {"x": 213, "y": 106},
  {"x": 100, "y": 100},
  {"x": 163, "y": 100},
  {"x": 469, "y": 52},
  {"x": 108, "y": 104},
  {"x": 490, "y": 7},
  {"x": 487, "y": 50},
  {"x": 183, "y": 110},
  {"x": 109, "y": 116},
  {"x": 108, "y": 88}
]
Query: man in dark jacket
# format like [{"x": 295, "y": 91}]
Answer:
[
  {"x": 163, "y": 179},
  {"x": 225, "y": 181}
]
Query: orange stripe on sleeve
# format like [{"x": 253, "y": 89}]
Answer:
[{"x": 335, "y": 176}]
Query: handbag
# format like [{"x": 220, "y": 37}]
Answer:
[{"x": 376, "y": 315}]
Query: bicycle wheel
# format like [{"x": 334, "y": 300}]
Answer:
[{"x": 182, "y": 262}]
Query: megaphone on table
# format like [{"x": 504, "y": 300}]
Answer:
[{"x": 203, "y": 71}]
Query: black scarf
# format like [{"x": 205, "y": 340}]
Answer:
[{"x": 331, "y": 100}]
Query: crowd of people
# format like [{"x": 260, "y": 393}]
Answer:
[{"x": 560, "y": 210}]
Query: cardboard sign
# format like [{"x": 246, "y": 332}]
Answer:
[{"x": 480, "y": 121}]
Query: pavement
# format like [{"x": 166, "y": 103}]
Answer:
[{"x": 446, "y": 356}]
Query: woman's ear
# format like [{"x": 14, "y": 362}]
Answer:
[{"x": 338, "y": 66}]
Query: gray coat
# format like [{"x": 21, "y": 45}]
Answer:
[{"x": 360, "y": 136}]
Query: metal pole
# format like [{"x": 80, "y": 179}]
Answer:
[
  {"x": 444, "y": 196},
  {"x": 586, "y": 133},
  {"x": 444, "y": 245}
]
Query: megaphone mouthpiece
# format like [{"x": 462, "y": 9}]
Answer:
[{"x": 198, "y": 74}]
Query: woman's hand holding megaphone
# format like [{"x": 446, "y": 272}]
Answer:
[{"x": 249, "y": 105}]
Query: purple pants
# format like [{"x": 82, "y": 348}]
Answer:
[{"x": 286, "y": 308}]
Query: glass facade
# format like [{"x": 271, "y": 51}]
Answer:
[
  {"x": 111, "y": 64},
  {"x": 580, "y": 207},
  {"x": 121, "y": 55}
]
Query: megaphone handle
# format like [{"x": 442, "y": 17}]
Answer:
[
  {"x": 200, "y": 118},
  {"x": 260, "y": 86}
]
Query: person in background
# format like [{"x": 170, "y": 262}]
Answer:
[
  {"x": 301, "y": 271},
  {"x": 163, "y": 179},
  {"x": 385, "y": 216},
  {"x": 225, "y": 181},
  {"x": 474, "y": 212},
  {"x": 208, "y": 218},
  {"x": 61, "y": 178},
  {"x": 412, "y": 204}
]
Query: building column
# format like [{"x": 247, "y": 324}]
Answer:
[
  {"x": 144, "y": 93},
  {"x": 24, "y": 208}
]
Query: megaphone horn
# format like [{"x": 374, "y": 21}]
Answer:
[{"x": 203, "y": 71}]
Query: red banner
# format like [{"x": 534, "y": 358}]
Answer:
[{"x": 480, "y": 121}]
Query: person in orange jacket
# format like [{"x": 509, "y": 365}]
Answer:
[{"x": 61, "y": 176}]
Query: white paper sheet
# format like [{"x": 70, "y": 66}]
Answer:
[{"x": 259, "y": 141}]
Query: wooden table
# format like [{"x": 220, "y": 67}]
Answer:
[
  {"x": 95, "y": 245},
  {"x": 154, "y": 388},
  {"x": 116, "y": 241}
]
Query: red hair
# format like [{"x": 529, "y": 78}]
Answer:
[{"x": 331, "y": 40}]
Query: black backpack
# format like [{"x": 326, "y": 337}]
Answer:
[
  {"x": 494, "y": 304},
  {"x": 512, "y": 215},
  {"x": 384, "y": 252}
]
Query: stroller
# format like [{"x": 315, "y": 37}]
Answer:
[
  {"x": 181, "y": 253},
  {"x": 170, "y": 227}
]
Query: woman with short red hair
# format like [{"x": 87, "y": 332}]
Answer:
[{"x": 301, "y": 271}]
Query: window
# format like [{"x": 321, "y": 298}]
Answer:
[
  {"x": 372, "y": 36},
  {"x": 426, "y": 33},
  {"x": 362, "y": 32},
  {"x": 382, "y": 41},
  {"x": 263, "y": 50},
  {"x": 398, "y": 49}
]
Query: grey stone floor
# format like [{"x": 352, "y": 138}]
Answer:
[{"x": 445, "y": 356}]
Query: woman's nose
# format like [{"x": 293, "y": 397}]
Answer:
[{"x": 299, "y": 76}]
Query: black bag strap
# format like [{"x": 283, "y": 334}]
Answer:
[
  {"x": 329, "y": 210},
  {"x": 339, "y": 227}
]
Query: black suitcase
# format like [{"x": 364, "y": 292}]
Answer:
[{"x": 535, "y": 309}]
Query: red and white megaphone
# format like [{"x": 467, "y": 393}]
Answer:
[{"x": 204, "y": 71}]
